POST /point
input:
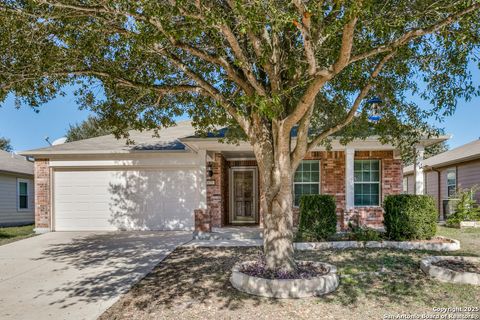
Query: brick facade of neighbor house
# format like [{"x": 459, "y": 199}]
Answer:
[
  {"x": 42, "y": 194},
  {"x": 332, "y": 182}
]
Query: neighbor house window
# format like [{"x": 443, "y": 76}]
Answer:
[
  {"x": 405, "y": 185},
  {"x": 367, "y": 182},
  {"x": 451, "y": 181},
  {"x": 22, "y": 194},
  {"x": 306, "y": 180}
]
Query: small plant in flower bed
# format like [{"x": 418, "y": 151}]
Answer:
[
  {"x": 359, "y": 233},
  {"x": 459, "y": 266},
  {"x": 303, "y": 270},
  {"x": 466, "y": 207}
]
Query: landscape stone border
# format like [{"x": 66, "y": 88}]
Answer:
[
  {"x": 285, "y": 288},
  {"x": 469, "y": 224},
  {"x": 450, "y": 245},
  {"x": 448, "y": 275}
]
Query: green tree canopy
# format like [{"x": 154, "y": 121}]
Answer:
[
  {"x": 261, "y": 67},
  {"x": 90, "y": 128},
  {"x": 5, "y": 144}
]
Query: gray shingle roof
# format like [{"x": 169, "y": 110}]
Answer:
[
  {"x": 14, "y": 163},
  {"x": 143, "y": 141},
  {"x": 469, "y": 151}
]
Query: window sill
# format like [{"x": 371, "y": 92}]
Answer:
[{"x": 373, "y": 206}]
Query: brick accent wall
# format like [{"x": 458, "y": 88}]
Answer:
[
  {"x": 217, "y": 191},
  {"x": 202, "y": 220},
  {"x": 42, "y": 194},
  {"x": 391, "y": 183}
]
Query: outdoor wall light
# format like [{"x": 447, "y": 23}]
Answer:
[{"x": 209, "y": 171}]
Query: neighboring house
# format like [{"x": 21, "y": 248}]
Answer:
[
  {"x": 16, "y": 190},
  {"x": 447, "y": 172},
  {"x": 157, "y": 183}
]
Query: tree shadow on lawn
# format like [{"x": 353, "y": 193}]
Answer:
[
  {"x": 192, "y": 276},
  {"x": 390, "y": 276},
  {"x": 195, "y": 275}
]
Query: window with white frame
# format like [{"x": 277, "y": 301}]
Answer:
[
  {"x": 405, "y": 185},
  {"x": 306, "y": 180},
  {"x": 22, "y": 194},
  {"x": 451, "y": 181},
  {"x": 367, "y": 182}
]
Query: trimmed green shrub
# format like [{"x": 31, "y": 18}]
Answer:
[
  {"x": 318, "y": 218},
  {"x": 410, "y": 217}
]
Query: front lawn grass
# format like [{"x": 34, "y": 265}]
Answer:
[
  {"x": 193, "y": 283},
  {"x": 11, "y": 234}
]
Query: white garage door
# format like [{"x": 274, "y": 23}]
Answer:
[{"x": 125, "y": 200}]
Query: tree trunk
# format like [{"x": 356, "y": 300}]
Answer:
[
  {"x": 278, "y": 229},
  {"x": 272, "y": 151}
]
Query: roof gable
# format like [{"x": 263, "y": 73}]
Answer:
[
  {"x": 10, "y": 162},
  {"x": 466, "y": 152}
]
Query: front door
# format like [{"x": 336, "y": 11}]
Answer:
[{"x": 243, "y": 195}]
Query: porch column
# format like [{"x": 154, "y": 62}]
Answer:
[
  {"x": 349, "y": 178},
  {"x": 418, "y": 170}
]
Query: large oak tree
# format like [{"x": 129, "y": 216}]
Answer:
[{"x": 264, "y": 68}]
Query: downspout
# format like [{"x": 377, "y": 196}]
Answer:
[{"x": 438, "y": 194}]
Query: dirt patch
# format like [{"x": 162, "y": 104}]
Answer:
[
  {"x": 303, "y": 270},
  {"x": 434, "y": 240},
  {"x": 458, "y": 265}
]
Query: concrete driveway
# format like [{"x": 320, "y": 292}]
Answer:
[{"x": 77, "y": 275}]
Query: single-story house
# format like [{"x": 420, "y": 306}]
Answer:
[
  {"x": 16, "y": 190},
  {"x": 447, "y": 172},
  {"x": 158, "y": 182}
]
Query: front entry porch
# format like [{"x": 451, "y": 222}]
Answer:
[
  {"x": 358, "y": 179},
  {"x": 233, "y": 191}
]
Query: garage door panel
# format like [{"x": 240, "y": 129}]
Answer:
[{"x": 131, "y": 200}]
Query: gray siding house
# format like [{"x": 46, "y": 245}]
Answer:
[
  {"x": 447, "y": 172},
  {"x": 16, "y": 190}
]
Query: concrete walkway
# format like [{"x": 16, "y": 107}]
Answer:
[{"x": 77, "y": 275}]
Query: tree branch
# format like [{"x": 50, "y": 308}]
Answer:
[
  {"x": 304, "y": 27},
  {"x": 212, "y": 91},
  {"x": 412, "y": 34},
  {"x": 308, "y": 98},
  {"x": 160, "y": 89},
  {"x": 207, "y": 57},
  {"x": 356, "y": 104},
  {"x": 239, "y": 54}
]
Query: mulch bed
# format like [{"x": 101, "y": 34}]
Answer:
[
  {"x": 303, "y": 270},
  {"x": 459, "y": 266}
]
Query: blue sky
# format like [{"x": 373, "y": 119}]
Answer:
[{"x": 27, "y": 129}]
